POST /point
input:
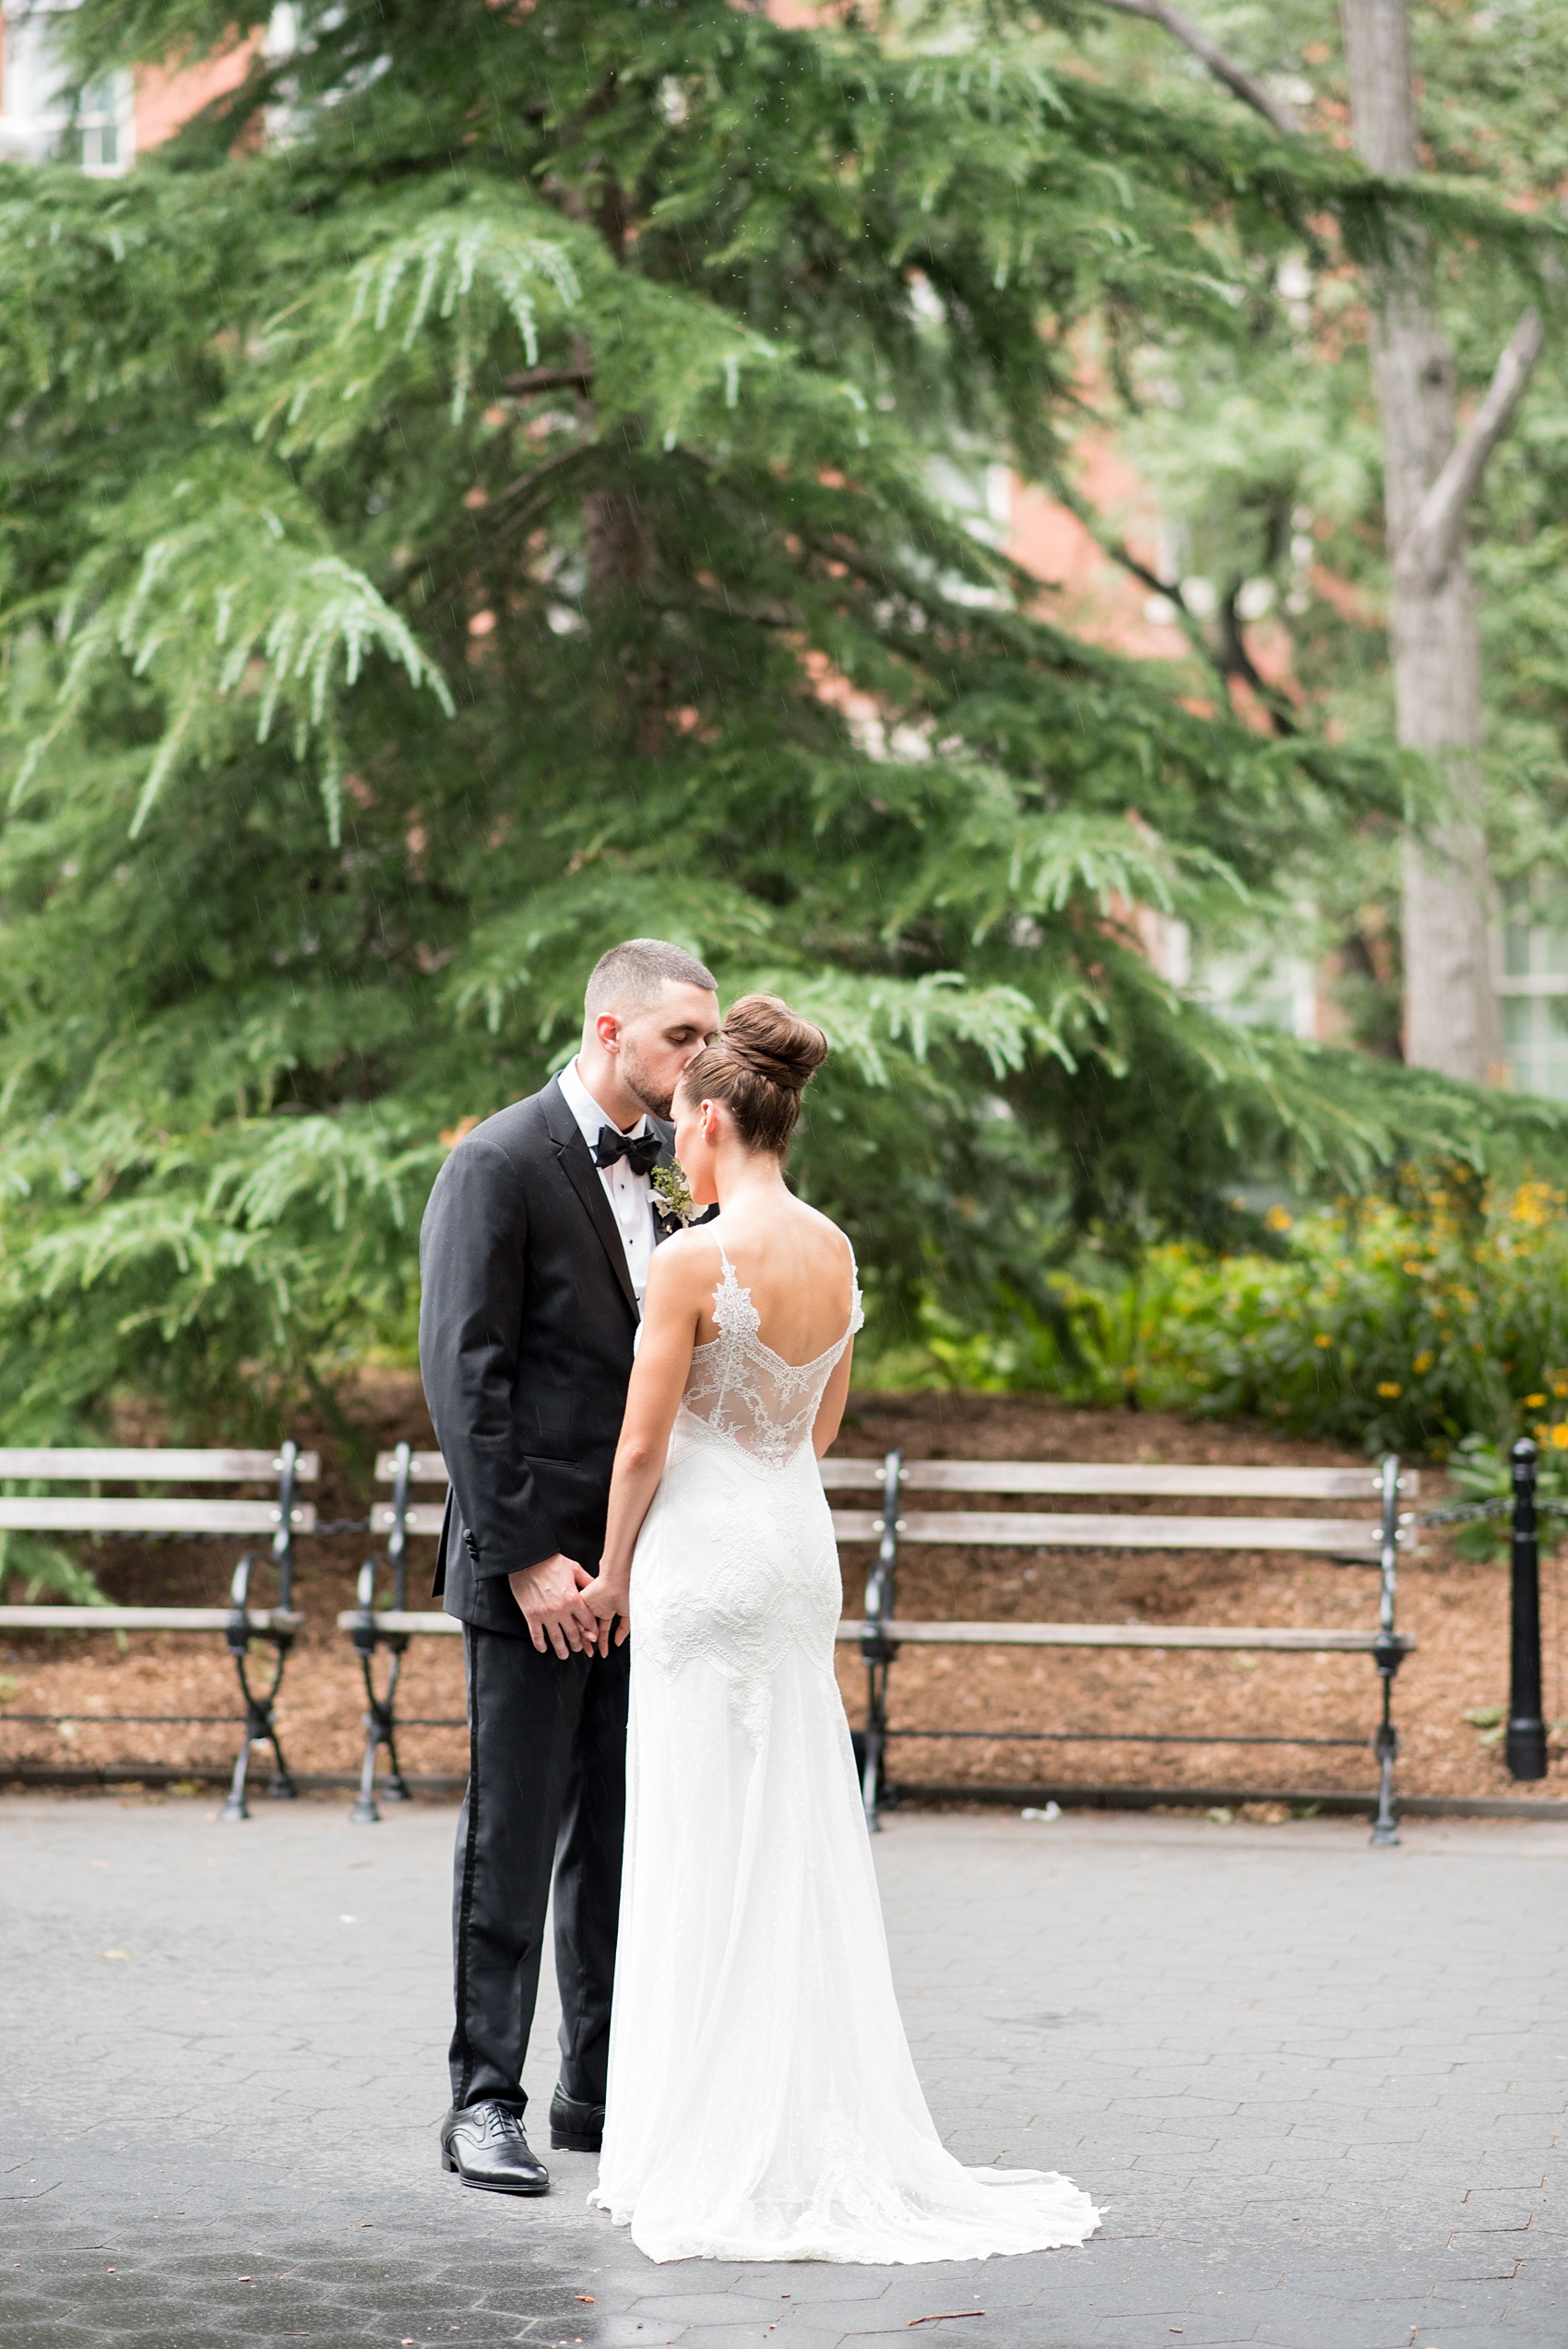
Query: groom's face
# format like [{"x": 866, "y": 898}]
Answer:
[{"x": 658, "y": 1042}]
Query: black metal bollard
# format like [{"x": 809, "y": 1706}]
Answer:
[
  {"x": 1526, "y": 1747},
  {"x": 877, "y": 1650}
]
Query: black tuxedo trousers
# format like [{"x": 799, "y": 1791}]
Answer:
[
  {"x": 547, "y": 1788},
  {"x": 527, "y": 1322}
]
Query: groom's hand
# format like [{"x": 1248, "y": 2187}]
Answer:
[{"x": 548, "y": 1595}]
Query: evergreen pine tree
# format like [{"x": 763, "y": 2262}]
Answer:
[{"x": 471, "y": 498}]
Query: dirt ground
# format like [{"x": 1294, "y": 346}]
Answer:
[{"x": 1458, "y": 1610}]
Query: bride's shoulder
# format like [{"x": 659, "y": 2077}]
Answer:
[
  {"x": 824, "y": 1229},
  {"x": 698, "y": 1244}
]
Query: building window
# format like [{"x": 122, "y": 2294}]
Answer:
[
  {"x": 39, "y": 123},
  {"x": 1533, "y": 984}
]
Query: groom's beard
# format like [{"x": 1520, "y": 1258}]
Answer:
[{"x": 642, "y": 1084}]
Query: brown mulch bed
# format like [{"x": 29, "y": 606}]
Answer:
[{"x": 1458, "y": 1611}]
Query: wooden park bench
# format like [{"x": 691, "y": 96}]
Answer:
[
  {"x": 281, "y": 1518},
  {"x": 395, "y": 1625},
  {"x": 1374, "y": 1539}
]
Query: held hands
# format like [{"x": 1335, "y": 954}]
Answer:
[
  {"x": 609, "y": 1598},
  {"x": 553, "y": 1606}
]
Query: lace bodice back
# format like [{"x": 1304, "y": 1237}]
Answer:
[{"x": 741, "y": 1391}]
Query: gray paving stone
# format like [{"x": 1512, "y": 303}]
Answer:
[{"x": 1322, "y": 2098}]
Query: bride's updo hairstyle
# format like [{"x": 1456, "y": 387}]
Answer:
[{"x": 758, "y": 1066}]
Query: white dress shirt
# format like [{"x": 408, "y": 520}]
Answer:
[{"x": 630, "y": 1195}]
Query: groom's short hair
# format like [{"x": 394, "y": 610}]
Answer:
[{"x": 635, "y": 973}]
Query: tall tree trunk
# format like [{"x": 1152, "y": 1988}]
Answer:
[
  {"x": 618, "y": 554},
  {"x": 1451, "y": 1014}
]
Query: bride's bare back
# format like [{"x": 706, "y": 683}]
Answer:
[{"x": 797, "y": 1267}]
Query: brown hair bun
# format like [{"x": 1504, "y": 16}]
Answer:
[
  {"x": 759, "y": 1064},
  {"x": 774, "y": 1040}
]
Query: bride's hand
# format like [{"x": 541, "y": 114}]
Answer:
[{"x": 609, "y": 1596}]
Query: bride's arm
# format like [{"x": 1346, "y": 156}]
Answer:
[{"x": 680, "y": 1281}]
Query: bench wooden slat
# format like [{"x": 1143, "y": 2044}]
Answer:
[
  {"x": 1023, "y": 1528},
  {"x": 1055, "y": 1476},
  {"x": 424, "y": 1468},
  {"x": 46, "y": 1618},
  {"x": 1030, "y": 1529},
  {"x": 1288, "y": 1641},
  {"x": 63, "y": 1464},
  {"x": 1119, "y": 1476},
  {"x": 50, "y": 1513},
  {"x": 406, "y": 1621},
  {"x": 1023, "y": 1635},
  {"x": 419, "y": 1516}
]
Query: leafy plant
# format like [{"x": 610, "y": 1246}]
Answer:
[
  {"x": 33, "y": 1571},
  {"x": 1436, "y": 1321}
]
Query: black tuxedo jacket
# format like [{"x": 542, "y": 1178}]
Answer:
[{"x": 526, "y": 1323}]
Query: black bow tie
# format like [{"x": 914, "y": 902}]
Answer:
[{"x": 639, "y": 1150}]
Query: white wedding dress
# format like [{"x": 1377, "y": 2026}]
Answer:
[{"x": 761, "y": 2101}]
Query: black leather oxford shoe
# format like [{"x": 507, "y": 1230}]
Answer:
[
  {"x": 486, "y": 2146},
  {"x": 574, "y": 2127}
]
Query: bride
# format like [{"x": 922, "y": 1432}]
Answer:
[{"x": 762, "y": 2103}]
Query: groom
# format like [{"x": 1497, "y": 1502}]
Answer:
[{"x": 534, "y": 1256}]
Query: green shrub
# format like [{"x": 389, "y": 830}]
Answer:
[
  {"x": 34, "y": 1572},
  {"x": 1404, "y": 1324}
]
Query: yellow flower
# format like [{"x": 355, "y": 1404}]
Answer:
[
  {"x": 1322, "y": 1339},
  {"x": 1535, "y": 1402},
  {"x": 1277, "y": 1219},
  {"x": 1423, "y": 1362},
  {"x": 1411, "y": 1265},
  {"x": 1560, "y": 1436},
  {"x": 1531, "y": 1201},
  {"x": 1560, "y": 1386},
  {"x": 1387, "y": 1389}
]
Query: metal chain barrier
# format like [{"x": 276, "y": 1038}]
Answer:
[
  {"x": 1469, "y": 1512},
  {"x": 333, "y": 1525}
]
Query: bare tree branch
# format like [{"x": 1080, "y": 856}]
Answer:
[
  {"x": 1232, "y": 659},
  {"x": 538, "y": 379},
  {"x": 1223, "y": 67},
  {"x": 1235, "y": 661},
  {"x": 1428, "y": 548}
]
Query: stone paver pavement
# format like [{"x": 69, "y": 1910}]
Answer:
[{"x": 1320, "y": 2089}]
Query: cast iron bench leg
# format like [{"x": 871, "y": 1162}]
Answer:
[
  {"x": 1386, "y": 1746},
  {"x": 261, "y": 1725},
  {"x": 1387, "y": 1655},
  {"x": 380, "y": 1729},
  {"x": 381, "y": 1712},
  {"x": 876, "y": 1650},
  {"x": 397, "y": 1788}
]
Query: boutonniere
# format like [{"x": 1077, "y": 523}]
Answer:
[{"x": 672, "y": 1201}]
